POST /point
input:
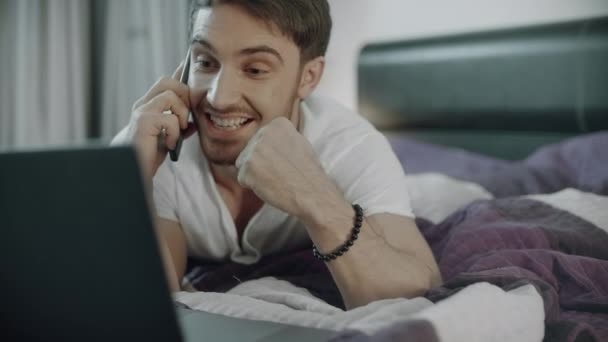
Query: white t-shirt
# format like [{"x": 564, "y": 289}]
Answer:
[{"x": 352, "y": 152}]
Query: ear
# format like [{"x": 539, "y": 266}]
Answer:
[{"x": 311, "y": 75}]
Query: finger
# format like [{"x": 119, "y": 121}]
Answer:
[
  {"x": 168, "y": 101},
  {"x": 284, "y": 122},
  {"x": 171, "y": 126},
  {"x": 178, "y": 72},
  {"x": 243, "y": 158},
  {"x": 163, "y": 84}
]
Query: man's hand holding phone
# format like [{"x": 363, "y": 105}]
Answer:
[{"x": 160, "y": 118}]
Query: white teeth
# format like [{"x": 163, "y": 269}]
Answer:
[{"x": 231, "y": 123}]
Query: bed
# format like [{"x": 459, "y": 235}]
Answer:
[{"x": 504, "y": 139}]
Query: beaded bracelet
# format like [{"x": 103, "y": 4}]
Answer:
[{"x": 346, "y": 246}]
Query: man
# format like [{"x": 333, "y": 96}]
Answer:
[{"x": 269, "y": 168}]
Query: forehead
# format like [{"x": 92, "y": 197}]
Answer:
[{"x": 231, "y": 26}]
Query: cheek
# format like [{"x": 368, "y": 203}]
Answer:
[
  {"x": 198, "y": 88},
  {"x": 267, "y": 100},
  {"x": 272, "y": 98}
]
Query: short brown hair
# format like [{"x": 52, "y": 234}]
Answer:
[{"x": 306, "y": 22}]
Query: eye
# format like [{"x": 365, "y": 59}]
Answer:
[
  {"x": 256, "y": 71},
  {"x": 206, "y": 64}
]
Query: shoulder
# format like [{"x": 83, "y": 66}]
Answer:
[
  {"x": 324, "y": 120},
  {"x": 357, "y": 157},
  {"x": 334, "y": 130},
  {"x": 322, "y": 110}
]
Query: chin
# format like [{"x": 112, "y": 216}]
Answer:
[
  {"x": 221, "y": 162},
  {"x": 221, "y": 153}
]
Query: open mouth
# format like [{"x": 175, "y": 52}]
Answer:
[{"x": 228, "y": 123}]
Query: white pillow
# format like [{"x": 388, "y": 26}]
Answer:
[
  {"x": 434, "y": 196},
  {"x": 586, "y": 205}
]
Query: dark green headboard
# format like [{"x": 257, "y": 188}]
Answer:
[{"x": 501, "y": 93}]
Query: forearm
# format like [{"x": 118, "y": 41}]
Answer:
[
  {"x": 169, "y": 266},
  {"x": 172, "y": 244},
  {"x": 390, "y": 257},
  {"x": 381, "y": 263}
]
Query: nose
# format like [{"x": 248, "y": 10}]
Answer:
[{"x": 223, "y": 90}]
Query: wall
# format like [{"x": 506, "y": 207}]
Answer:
[{"x": 359, "y": 21}]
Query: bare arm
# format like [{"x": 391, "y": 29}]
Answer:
[
  {"x": 173, "y": 251},
  {"x": 389, "y": 259},
  {"x": 165, "y": 108}
]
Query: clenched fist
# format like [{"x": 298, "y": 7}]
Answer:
[{"x": 280, "y": 166}]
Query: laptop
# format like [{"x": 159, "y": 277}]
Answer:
[{"x": 79, "y": 260}]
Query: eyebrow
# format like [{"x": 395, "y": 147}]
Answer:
[{"x": 246, "y": 51}]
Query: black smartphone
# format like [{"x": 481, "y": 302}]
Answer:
[{"x": 174, "y": 154}]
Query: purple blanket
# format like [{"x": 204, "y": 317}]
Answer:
[
  {"x": 579, "y": 163},
  {"x": 506, "y": 242},
  {"x": 512, "y": 241}
]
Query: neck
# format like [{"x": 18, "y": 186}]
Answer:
[
  {"x": 226, "y": 176},
  {"x": 295, "y": 116}
]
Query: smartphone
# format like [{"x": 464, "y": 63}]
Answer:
[{"x": 174, "y": 154}]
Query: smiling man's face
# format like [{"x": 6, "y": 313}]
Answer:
[{"x": 244, "y": 72}]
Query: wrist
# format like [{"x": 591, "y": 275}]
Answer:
[
  {"x": 329, "y": 222},
  {"x": 323, "y": 207},
  {"x": 343, "y": 248}
]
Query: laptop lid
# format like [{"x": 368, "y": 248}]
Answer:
[{"x": 78, "y": 257}]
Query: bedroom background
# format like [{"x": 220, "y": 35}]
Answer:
[
  {"x": 71, "y": 69},
  {"x": 520, "y": 242}
]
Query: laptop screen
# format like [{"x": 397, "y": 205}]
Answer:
[{"x": 79, "y": 259}]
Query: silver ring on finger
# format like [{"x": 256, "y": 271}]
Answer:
[{"x": 163, "y": 131}]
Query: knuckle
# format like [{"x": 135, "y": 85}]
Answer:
[
  {"x": 184, "y": 88},
  {"x": 174, "y": 120},
  {"x": 142, "y": 118},
  {"x": 163, "y": 99},
  {"x": 169, "y": 94}
]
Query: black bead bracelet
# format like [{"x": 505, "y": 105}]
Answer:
[{"x": 346, "y": 246}]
